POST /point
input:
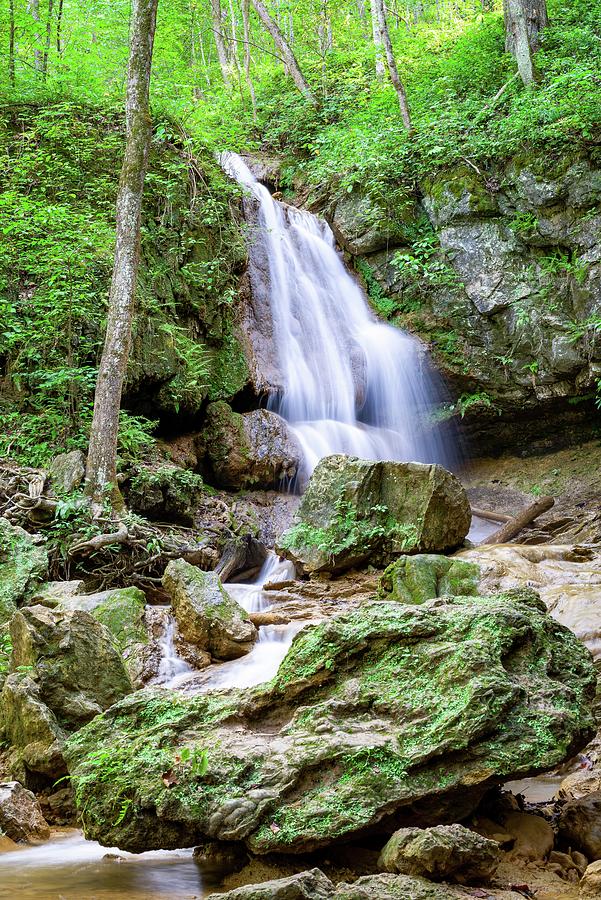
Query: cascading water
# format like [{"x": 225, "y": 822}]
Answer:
[
  {"x": 171, "y": 665},
  {"x": 349, "y": 383}
]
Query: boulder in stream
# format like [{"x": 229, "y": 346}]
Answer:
[
  {"x": 21, "y": 818},
  {"x": 355, "y": 510},
  {"x": 254, "y": 449},
  {"x": 65, "y": 669},
  {"x": 206, "y": 614},
  {"x": 386, "y": 716}
]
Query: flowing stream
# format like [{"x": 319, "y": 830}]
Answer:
[{"x": 349, "y": 383}]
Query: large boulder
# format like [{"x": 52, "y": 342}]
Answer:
[
  {"x": 254, "y": 449},
  {"x": 384, "y": 716},
  {"x": 413, "y": 579},
  {"x": 580, "y": 824},
  {"x": 65, "y": 670},
  {"x": 168, "y": 493},
  {"x": 354, "y": 510},
  {"x": 21, "y": 818},
  {"x": 67, "y": 471},
  {"x": 23, "y": 565},
  {"x": 206, "y": 614},
  {"x": 445, "y": 852}
]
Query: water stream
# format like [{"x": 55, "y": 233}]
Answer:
[{"x": 349, "y": 383}]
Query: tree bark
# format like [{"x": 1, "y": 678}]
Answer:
[
  {"x": 378, "y": 8},
  {"x": 284, "y": 49},
  {"x": 524, "y": 21},
  {"x": 48, "y": 38},
  {"x": 514, "y": 526},
  {"x": 101, "y": 470},
  {"x": 11, "y": 42},
  {"x": 33, "y": 7},
  {"x": 377, "y": 38},
  {"x": 59, "y": 24},
  {"x": 217, "y": 18}
]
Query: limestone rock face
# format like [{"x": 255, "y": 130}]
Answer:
[
  {"x": 385, "y": 716},
  {"x": 21, "y": 818},
  {"x": 23, "y": 565},
  {"x": 254, "y": 449},
  {"x": 65, "y": 670},
  {"x": 206, "y": 614},
  {"x": 445, "y": 852},
  {"x": 354, "y": 510},
  {"x": 580, "y": 824}
]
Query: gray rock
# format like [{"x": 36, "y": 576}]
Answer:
[
  {"x": 67, "y": 471},
  {"x": 445, "y": 852},
  {"x": 580, "y": 824},
  {"x": 395, "y": 887},
  {"x": 21, "y": 818},
  {"x": 206, "y": 614},
  {"x": 311, "y": 885}
]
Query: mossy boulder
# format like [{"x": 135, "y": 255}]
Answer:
[
  {"x": 23, "y": 565},
  {"x": 206, "y": 614},
  {"x": 445, "y": 852},
  {"x": 121, "y": 610},
  {"x": 385, "y": 716},
  {"x": 254, "y": 449},
  {"x": 65, "y": 670},
  {"x": 355, "y": 510},
  {"x": 413, "y": 579},
  {"x": 169, "y": 493}
]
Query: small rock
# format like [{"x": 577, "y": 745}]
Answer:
[
  {"x": 311, "y": 885},
  {"x": 580, "y": 825},
  {"x": 67, "y": 470},
  {"x": 590, "y": 884},
  {"x": 534, "y": 837},
  {"x": 440, "y": 853},
  {"x": 21, "y": 818}
]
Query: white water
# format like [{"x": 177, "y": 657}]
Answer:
[
  {"x": 351, "y": 384},
  {"x": 171, "y": 666}
]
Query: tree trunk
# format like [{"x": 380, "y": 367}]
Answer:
[
  {"x": 524, "y": 20},
  {"x": 48, "y": 38},
  {"x": 33, "y": 7},
  {"x": 59, "y": 24},
  {"x": 512, "y": 528},
  {"x": 247, "y": 55},
  {"x": 217, "y": 18},
  {"x": 286, "y": 53},
  {"x": 380, "y": 68},
  {"x": 101, "y": 470},
  {"x": 11, "y": 42},
  {"x": 378, "y": 7}
]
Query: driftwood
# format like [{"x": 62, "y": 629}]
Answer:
[
  {"x": 268, "y": 618},
  {"x": 491, "y": 516},
  {"x": 515, "y": 525}
]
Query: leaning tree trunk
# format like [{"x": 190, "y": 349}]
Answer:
[
  {"x": 101, "y": 470},
  {"x": 285, "y": 51},
  {"x": 524, "y": 21},
  {"x": 378, "y": 8},
  {"x": 217, "y": 17}
]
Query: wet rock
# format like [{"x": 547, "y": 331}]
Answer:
[
  {"x": 254, "y": 449},
  {"x": 67, "y": 470},
  {"x": 413, "y": 579},
  {"x": 65, "y": 670},
  {"x": 354, "y": 510},
  {"x": 361, "y": 224},
  {"x": 311, "y": 885},
  {"x": 21, "y": 818},
  {"x": 590, "y": 884},
  {"x": 534, "y": 837},
  {"x": 390, "y": 715},
  {"x": 580, "y": 825},
  {"x": 206, "y": 614},
  {"x": 168, "y": 493},
  {"x": 445, "y": 852},
  {"x": 23, "y": 565}
]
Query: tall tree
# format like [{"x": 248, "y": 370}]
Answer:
[
  {"x": 101, "y": 470},
  {"x": 379, "y": 13},
  {"x": 524, "y": 22},
  {"x": 288, "y": 57},
  {"x": 378, "y": 43},
  {"x": 218, "y": 25},
  {"x": 48, "y": 38},
  {"x": 247, "y": 56},
  {"x": 11, "y": 42},
  {"x": 33, "y": 7}
]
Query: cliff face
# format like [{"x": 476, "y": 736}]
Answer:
[{"x": 499, "y": 270}]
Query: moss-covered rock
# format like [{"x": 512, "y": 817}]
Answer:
[
  {"x": 388, "y": 713},
  {"x": 354, "y": 510},
  {"x": 254, "y": 449},
  {"x": 206, "y": 614},
  {"x": 413, "y": 579},
  {"x": 65, "y": 670},
  {"x": 23, "y": 565},
  {"x": 169, "y": 493}
]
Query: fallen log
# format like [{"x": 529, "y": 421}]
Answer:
[
  {"x": 491, "y": 516},
  {"x": 268, "y": 618},
  {"x": 516, "y": 524}
]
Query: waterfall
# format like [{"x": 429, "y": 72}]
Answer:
[
  {"x": 171, "y": 665},
  {"x": 349, "y": 383}
]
